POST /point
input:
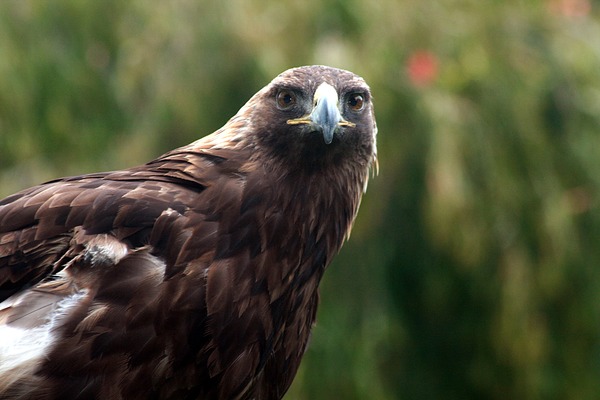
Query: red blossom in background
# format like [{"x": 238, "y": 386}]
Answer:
[
  {"x": 570, "y": 8},
  {"x": 422, "y": 68}
]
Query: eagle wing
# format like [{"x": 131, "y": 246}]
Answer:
[{"x": 42, "y": 229}]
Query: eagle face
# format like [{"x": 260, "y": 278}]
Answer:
[
  {"x": 195, "y": 275},
  {"x": 313, "y": 115}
]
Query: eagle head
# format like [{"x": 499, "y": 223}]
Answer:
[{"x": 314, "y": 115}]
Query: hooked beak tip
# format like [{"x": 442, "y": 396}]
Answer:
[{"x": 326, "y": 114}]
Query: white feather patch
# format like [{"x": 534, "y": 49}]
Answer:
[{"x": 22, "y": 350}]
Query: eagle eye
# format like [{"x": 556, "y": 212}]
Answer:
[
  {"x": 356, "y": 101},
  {"x": 286, "y": 99}
]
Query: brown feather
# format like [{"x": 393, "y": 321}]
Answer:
[{"x": 195, "y": 275}]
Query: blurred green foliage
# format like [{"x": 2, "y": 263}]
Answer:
[{"x": 473, "y": 271}]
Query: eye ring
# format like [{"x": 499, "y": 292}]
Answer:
[
  {"x": 285, "y": 99},
  {"x": 356, "y": 102}
]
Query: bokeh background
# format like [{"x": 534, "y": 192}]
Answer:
[{"x": 473, "y": 271}]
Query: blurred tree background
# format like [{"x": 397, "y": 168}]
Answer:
[{"x": 473, "y": 271}]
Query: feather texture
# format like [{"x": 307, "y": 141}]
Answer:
[{"x": 194, "y": 276}]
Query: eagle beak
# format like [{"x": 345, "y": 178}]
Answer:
[{"x": 325, "y": 116}]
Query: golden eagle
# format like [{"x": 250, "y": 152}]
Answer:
[{"x": 194, "y": 276}]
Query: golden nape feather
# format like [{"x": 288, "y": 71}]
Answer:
[{"x": 194, "y": 276}]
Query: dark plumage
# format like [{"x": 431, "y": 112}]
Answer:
[{"x": 196, "y": 274}]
